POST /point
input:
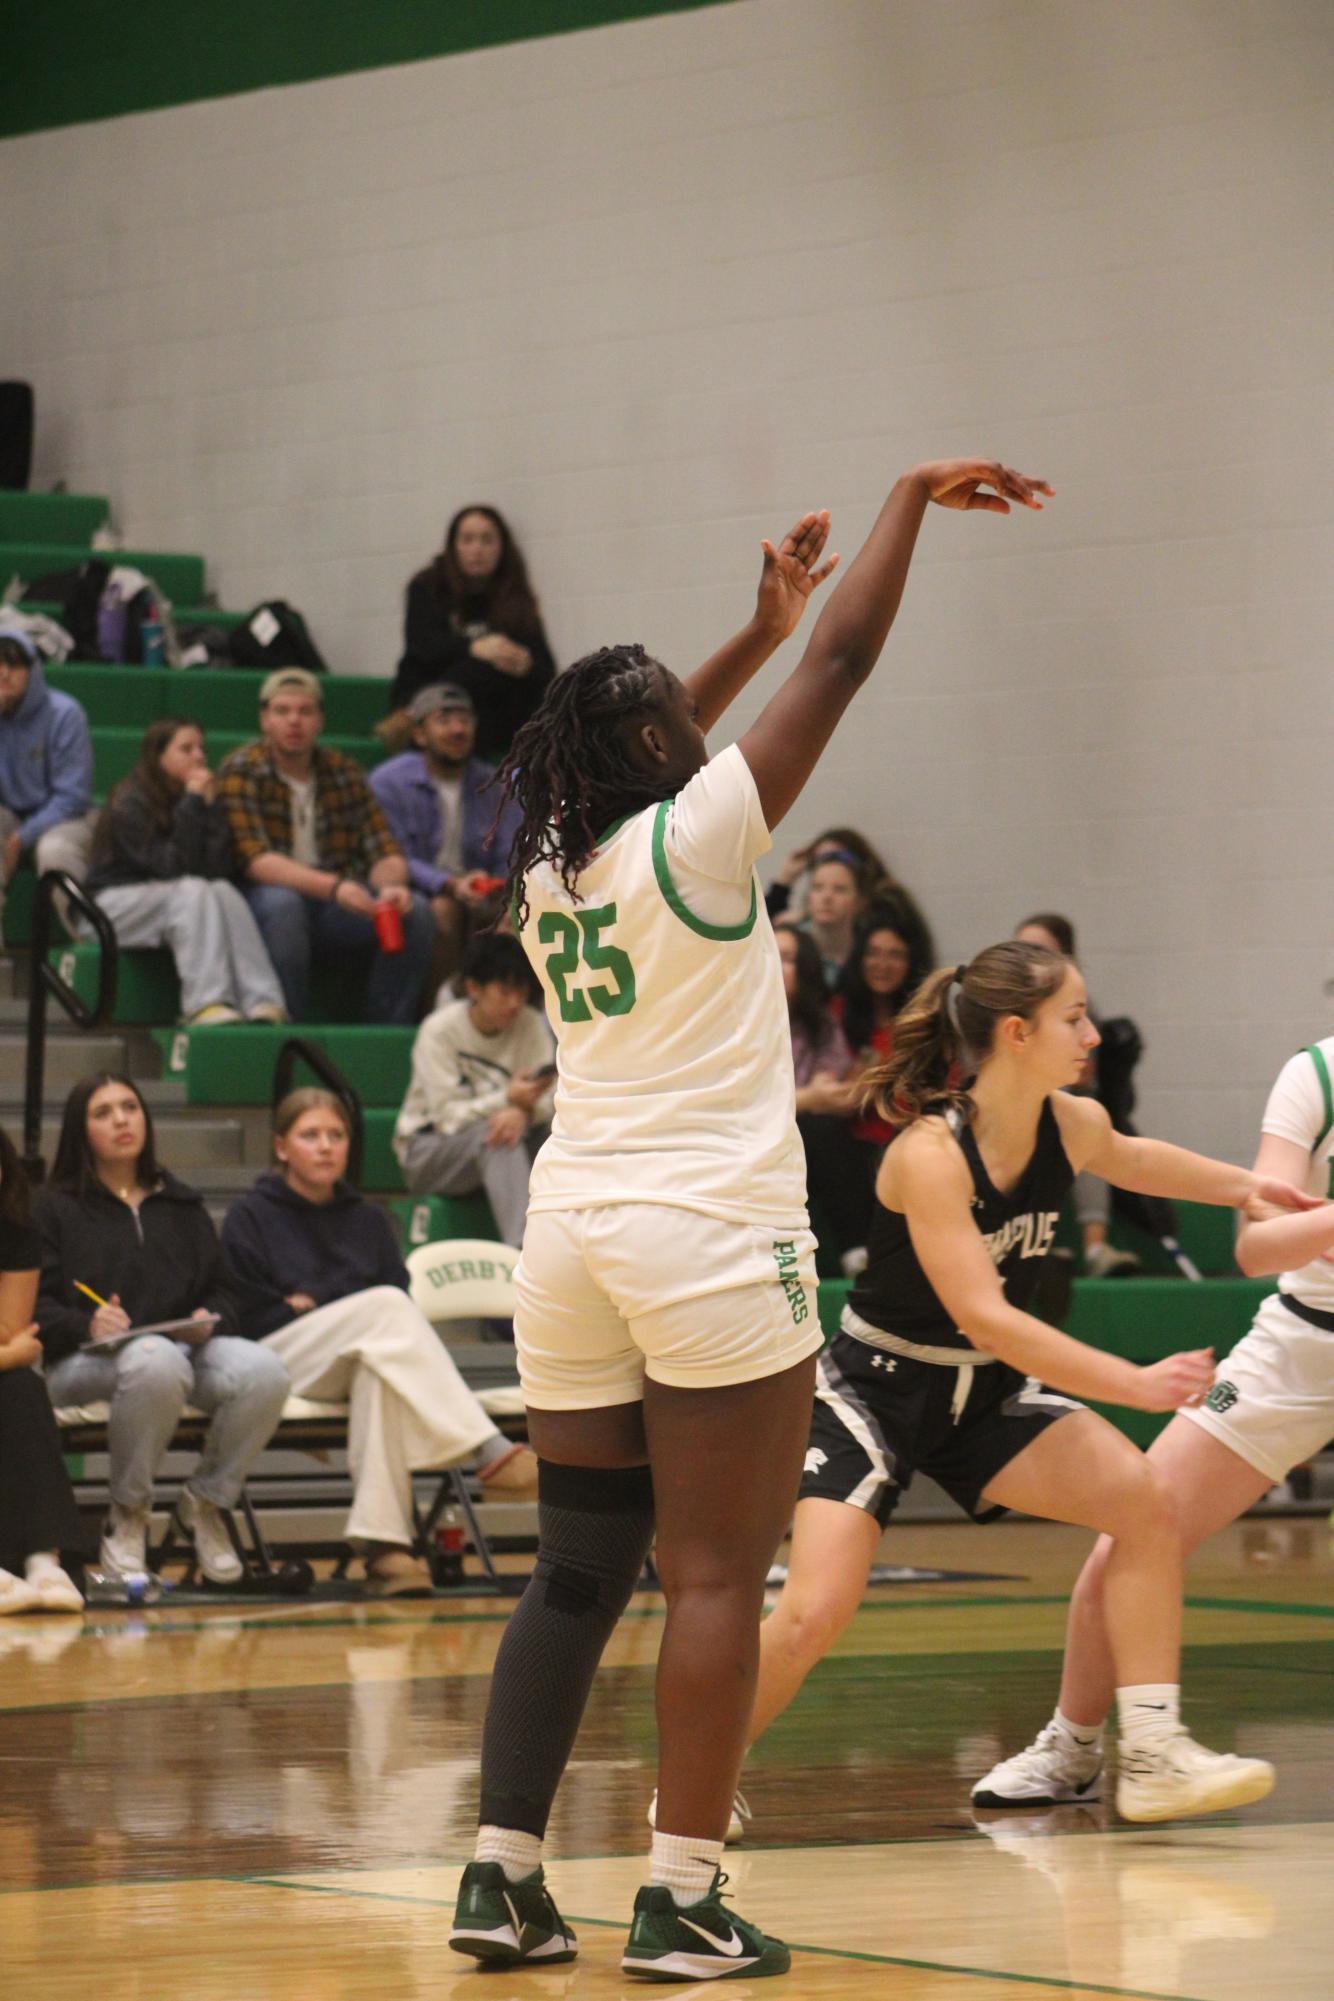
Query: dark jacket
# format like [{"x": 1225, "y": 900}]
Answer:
[
  {"x": 130, "y": 846},
  {"x": 163, "y": 1259},
  {"x": 437, "y": 643},
  {"x": 277, "y": 1243},
  {"x": 407, "y": 792}
]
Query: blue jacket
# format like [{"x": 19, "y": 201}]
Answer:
[
  {"x": 276, "y": 1243},
  {"x": 406, "y": 792},
  {"x": 46, "y": 760}
]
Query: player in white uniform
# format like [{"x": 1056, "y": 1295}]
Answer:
[
  {"x": 666, "y": 1326},
  {"x": 1270, "y": 1408}
]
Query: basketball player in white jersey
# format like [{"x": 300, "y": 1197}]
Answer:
[
  {"x": 1271, "y": 1407},
  {"x": 666, "y": 1325}
]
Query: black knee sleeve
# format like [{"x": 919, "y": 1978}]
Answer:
[{"x": 595, "y": 1529}]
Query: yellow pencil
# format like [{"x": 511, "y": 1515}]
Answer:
[{"x": 96, "y": 1297}]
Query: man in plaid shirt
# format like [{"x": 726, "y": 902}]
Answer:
[{"x": 318, "y": 857}]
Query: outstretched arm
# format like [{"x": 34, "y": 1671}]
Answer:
[
  {"x": 1269, "y": 1241},
  {"x": 791, "y": 572},
  {"x": 1153, "y": 1167},
  {"x": 783, "y": 747}
]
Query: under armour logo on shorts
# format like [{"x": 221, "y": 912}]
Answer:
[{"x": 815, "y": 1459}]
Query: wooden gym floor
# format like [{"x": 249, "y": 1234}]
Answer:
[{"x": 272, "y": 1804}]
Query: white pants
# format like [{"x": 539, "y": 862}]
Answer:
[
  {"x": 410, "y": 1408},
  {"x": 65, "y": 846},
  {"x": 219, "y": 954}
]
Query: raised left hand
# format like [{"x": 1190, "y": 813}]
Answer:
[{"x": 791, "y": 572}]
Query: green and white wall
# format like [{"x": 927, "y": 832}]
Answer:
[{"x": 654, "y": 284}]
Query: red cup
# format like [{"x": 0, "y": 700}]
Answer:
[{"x": 389, "y": 927}]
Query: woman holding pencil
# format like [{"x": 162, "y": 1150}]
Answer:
[{"x": 126, "y": 1246}]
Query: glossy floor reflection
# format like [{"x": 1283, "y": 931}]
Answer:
[{"x": 276, "y": 1803}]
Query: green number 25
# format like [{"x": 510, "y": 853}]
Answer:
[{"x": 578, "y": 939}]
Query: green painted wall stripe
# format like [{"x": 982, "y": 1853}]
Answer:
[{"x": 67, "y": 64}]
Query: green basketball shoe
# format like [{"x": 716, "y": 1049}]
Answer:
[
  {"x": 509, "y": 1924},
  {"x": 700, "y": 1941}
]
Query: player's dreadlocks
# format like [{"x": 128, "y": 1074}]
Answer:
[{"x": 568, "y": 769}]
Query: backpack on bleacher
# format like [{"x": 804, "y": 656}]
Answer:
[
  {"x": 78, "y": 593},
  {"x": 275, "y": 635}
]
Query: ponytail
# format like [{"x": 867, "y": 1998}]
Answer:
[{"x": 948, "y": 1027}]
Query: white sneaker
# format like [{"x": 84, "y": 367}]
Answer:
[
  {"x": 1178, "y": 1777},
  {"x": 736, "y": 1825},
  {"x": 16, "y": 1594},
  {"x": 218, "y": 1014},
  {"x": 1053, "y": 1771},
  {"x": 56, "y": 1591},
  {"x": 1106, "y": 1261},
  {"x": 207, "y": 1530},
  {"x": 270, "y": 1012},
  {"x": 125, "y": 1541}
]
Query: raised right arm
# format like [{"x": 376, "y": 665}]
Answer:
[{"x": 785, "y": 743}]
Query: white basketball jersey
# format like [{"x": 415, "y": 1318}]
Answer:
[
  {"x": 1301, "y": 1108},
  {"x": 665, "y": 993}
]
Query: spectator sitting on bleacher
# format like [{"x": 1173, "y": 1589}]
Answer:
[
  {"x": 436, "y": 801},
  {"x": 323, "y": 1286},
  {"x": 46, "y": 769},
  {"x": 875, "y": 877},
  {"x": 38, "y": 1518},
  {"x": 479, "y": 1101},
  {"x": 114, "y": 1224},
  {"x": 319, "y": 860},
  {"x": 472, "y": 619},
  {"x": 821, "y": 1063},
  {"x": 162, "y": 870},
  {"x": 1091, "y": 1196}
]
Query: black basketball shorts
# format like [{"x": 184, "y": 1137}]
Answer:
[{"x": 879, "y": 1418}]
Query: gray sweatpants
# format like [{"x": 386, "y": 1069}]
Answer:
[
  {"x": 66, "y": 846},
  {"x": 460, "y": 1163},
  {"x": 214, "y": 939}
]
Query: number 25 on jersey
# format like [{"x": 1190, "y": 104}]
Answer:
[{"x": 581, "y": 950}]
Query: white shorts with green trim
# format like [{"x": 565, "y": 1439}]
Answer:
[
  {"x": 608, "y": 1296},
  {"x": 1272, "y": 1402}
]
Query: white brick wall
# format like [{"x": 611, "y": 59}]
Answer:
[{"x": 652, "y": 289}]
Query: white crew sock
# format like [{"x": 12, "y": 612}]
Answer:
[
  {"x": 517, "y": 1853},
  {"x": 1149, "y": 1713},
  {"x": 42, "y": 1563},
  {"x": 1088, "y": 1736},
  {"x": 684, "y": 1865}
]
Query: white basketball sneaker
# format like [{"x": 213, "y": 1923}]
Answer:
[
  {"x": 1177, "y": 1777},
  {"x": 207, "y": 1530},
  {"x": 1053, "y": 1771},
  {"x": 736, "y": 1826}
]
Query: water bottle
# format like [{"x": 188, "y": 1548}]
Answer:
[
  {"x": 450, "y": 1541},
  {"x": 129, "y": 1587},
  {"x": 111, "y": 624},
  {"x": 150, "y": 639}
]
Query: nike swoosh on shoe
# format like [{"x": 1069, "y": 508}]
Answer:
[{"x": 732, "y": 1947}]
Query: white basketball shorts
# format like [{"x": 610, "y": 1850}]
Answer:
[
  {"x": 1272, "y": 1401},
  {"x": 608, "y": 1296}
]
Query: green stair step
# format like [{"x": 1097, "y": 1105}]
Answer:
[
  {"x": 218, "y": 698},
  {"x": 184, "y": 614},
  {"x": 379, "y": 1162},
  {"x": 115, "y": 751},
  {"x": 147, "y": 992},
  {"x": 180, "y": 576},
  {"x": 69, "y": 518},
  {"x": 432, "y": 1219},
  {"x": 234, "y": 1066}
]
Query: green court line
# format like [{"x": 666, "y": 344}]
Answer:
[{"x": 1055, "y": 1981}]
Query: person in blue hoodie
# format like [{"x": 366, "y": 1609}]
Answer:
[{"x": 46, "y": 769}]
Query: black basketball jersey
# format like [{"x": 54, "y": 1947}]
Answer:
[{"x": 894, "y": 1293}]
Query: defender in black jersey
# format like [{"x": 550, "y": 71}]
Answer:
[{"x": 937, "y": 1366}]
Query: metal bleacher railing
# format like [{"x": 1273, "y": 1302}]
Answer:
[{"x": 46, "y": 982}]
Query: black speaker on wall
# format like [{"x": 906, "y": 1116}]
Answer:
[{"x": 15, "y": 433}]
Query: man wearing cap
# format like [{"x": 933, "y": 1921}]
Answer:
[
  {"x": 438, "y": 808},
  {"x": 318, "y": 857},
  {"x": 46, "y": 768}
]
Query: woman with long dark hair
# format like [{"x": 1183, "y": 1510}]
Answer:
[
  {"x": 472, "y": 620},
  {"x": 114, "y": 1221},
  {"x": 38, "y": 1518},
  {"x": 666, "y": 1326},
  {"x": 162, "y": 869},
  {"x": 939, "y": 1368}
]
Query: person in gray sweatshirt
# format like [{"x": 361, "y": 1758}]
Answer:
[{"x": 46, "y": 769}]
